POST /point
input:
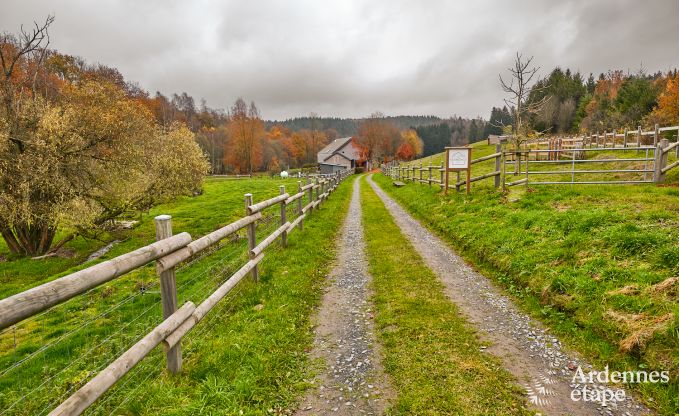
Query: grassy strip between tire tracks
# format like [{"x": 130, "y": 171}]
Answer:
[{"x": 432, "y": 356}]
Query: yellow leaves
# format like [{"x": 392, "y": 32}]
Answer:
[
  {"x": 667, "y": 111},
  {"x": 410, "y": 137},
  {"x": 94, "y": 152}
]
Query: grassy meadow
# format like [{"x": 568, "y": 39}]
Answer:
[
  {"x": 598, "y": 264},
  {"x": 481, "y": 149},
  {"x": 248, "y": 355}
]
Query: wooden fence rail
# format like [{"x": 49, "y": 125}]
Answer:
[
  {"x": 605, "y": 140},
  {"x": 169, "y": 251},
  {"x": 655, "y": 163},
  {"x": 407, "y": 173}
]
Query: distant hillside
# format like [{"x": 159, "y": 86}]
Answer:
[{"x": 349, "y": 126}]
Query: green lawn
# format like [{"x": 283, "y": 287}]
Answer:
[
  {"x": 598, "y": 264},
  {"x": 430, "y": 353},
  {"x": 221, "y": 203},
  {"x": 248, "y": 354}
]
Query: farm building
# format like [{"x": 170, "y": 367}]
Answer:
[{"x": 339, "y": 154}]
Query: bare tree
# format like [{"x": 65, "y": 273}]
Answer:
[
  {"x": 12, "y": 50},
  {"x": 519, "y": 88}
]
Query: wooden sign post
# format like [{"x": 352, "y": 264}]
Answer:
[{"x": 459, "y": 159}]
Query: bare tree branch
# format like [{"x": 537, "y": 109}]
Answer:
[{"x": 519, "y": 87}]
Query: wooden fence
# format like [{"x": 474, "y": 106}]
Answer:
[
  {"x": 558, "y": 145},
  {"x": 168, "y": 252},
  {"x": 415, "y": 173},
  {"x": 555, "y": 153}
]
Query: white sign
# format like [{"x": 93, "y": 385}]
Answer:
[{"x": 458, "y": 158}]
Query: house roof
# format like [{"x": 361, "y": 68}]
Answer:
[
  {"x": 334, "y": 148},
  {"x": 338, "y": 153}
]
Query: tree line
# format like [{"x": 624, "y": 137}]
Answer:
[
  {"x": 566, "y": 102},
  {"x": 294, "y": 143}
]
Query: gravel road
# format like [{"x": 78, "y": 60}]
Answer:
[
  {"x": 534, "y": 356},
  {"x": 352, "y": 381}
]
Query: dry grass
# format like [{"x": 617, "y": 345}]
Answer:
[
  {"x": 627, "y": 290},
  {"x": 639, "y": 328},
  {"x": 667, "y": 286}
]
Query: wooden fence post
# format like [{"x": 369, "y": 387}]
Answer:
[
  {"x": 656, "y": 133},
  {"x": 441, "y": 172},
  {"x": 639, "y": 137},
  {"x": 317, "y": 185},
  {"x": 430, "y": 177},
  {"x": 660, "y": 161},
  {"x": 498, "y": 161},
  {"x": 311, "y": 193},
  {"x": 503, "y": 178},
  {"x": 624, "y": 140},
  {"x": 168, "y": 293},
  {"x": 252, "y": 238},
  {"x": 300, "y": 206},
  {"x": 284, "y": 234}
]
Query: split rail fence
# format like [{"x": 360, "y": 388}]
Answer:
[
  {"x": 644, "y": 157},
  {"x": 168, "y": 252},
  {"x": 435, "y": 174}
]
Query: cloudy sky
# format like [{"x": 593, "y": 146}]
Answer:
[{"x": 351, "y": 57}]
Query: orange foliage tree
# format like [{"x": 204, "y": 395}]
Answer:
[
  {"x": 411, "y": 145},
  {"x": 405, "y": 151},
  {"x": 667, "y": 111},
  {"x": 377, "y": 137},
  {"x": 245, "y": 130}
]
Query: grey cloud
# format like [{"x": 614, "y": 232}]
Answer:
[{"x": 350, "y": 58}]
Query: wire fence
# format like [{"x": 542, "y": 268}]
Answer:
[{"x": 51, "y": 354}]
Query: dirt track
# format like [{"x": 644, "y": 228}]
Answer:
[
  {"x": 535, "y": 357},
  {"x": 352, "y": 381}
]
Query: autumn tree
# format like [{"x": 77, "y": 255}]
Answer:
[
  {"x": 377, "y": 137},
  {"x": 76, "y": 151},
  {"x": 246, "y": 131},
  {"x": 667, "y": 111},
  {"x": 91, "y": 157},
  {"x": 411, "y": 145},
  {"x": 314, "y": 141}
]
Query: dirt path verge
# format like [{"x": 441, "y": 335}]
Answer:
[
  {"x": 535, "y": 357},
  {"x": 353, "y": 381}
]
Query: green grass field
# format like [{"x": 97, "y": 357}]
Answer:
[
  {"x": 431, "y": 354},
  {"x": 221, "y": 203},
  {"x": 247, "y": 355},
  {"x": 598, "y": 264}
]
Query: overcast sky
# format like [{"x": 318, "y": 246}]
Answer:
[{"x": 351, "y": 57}]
